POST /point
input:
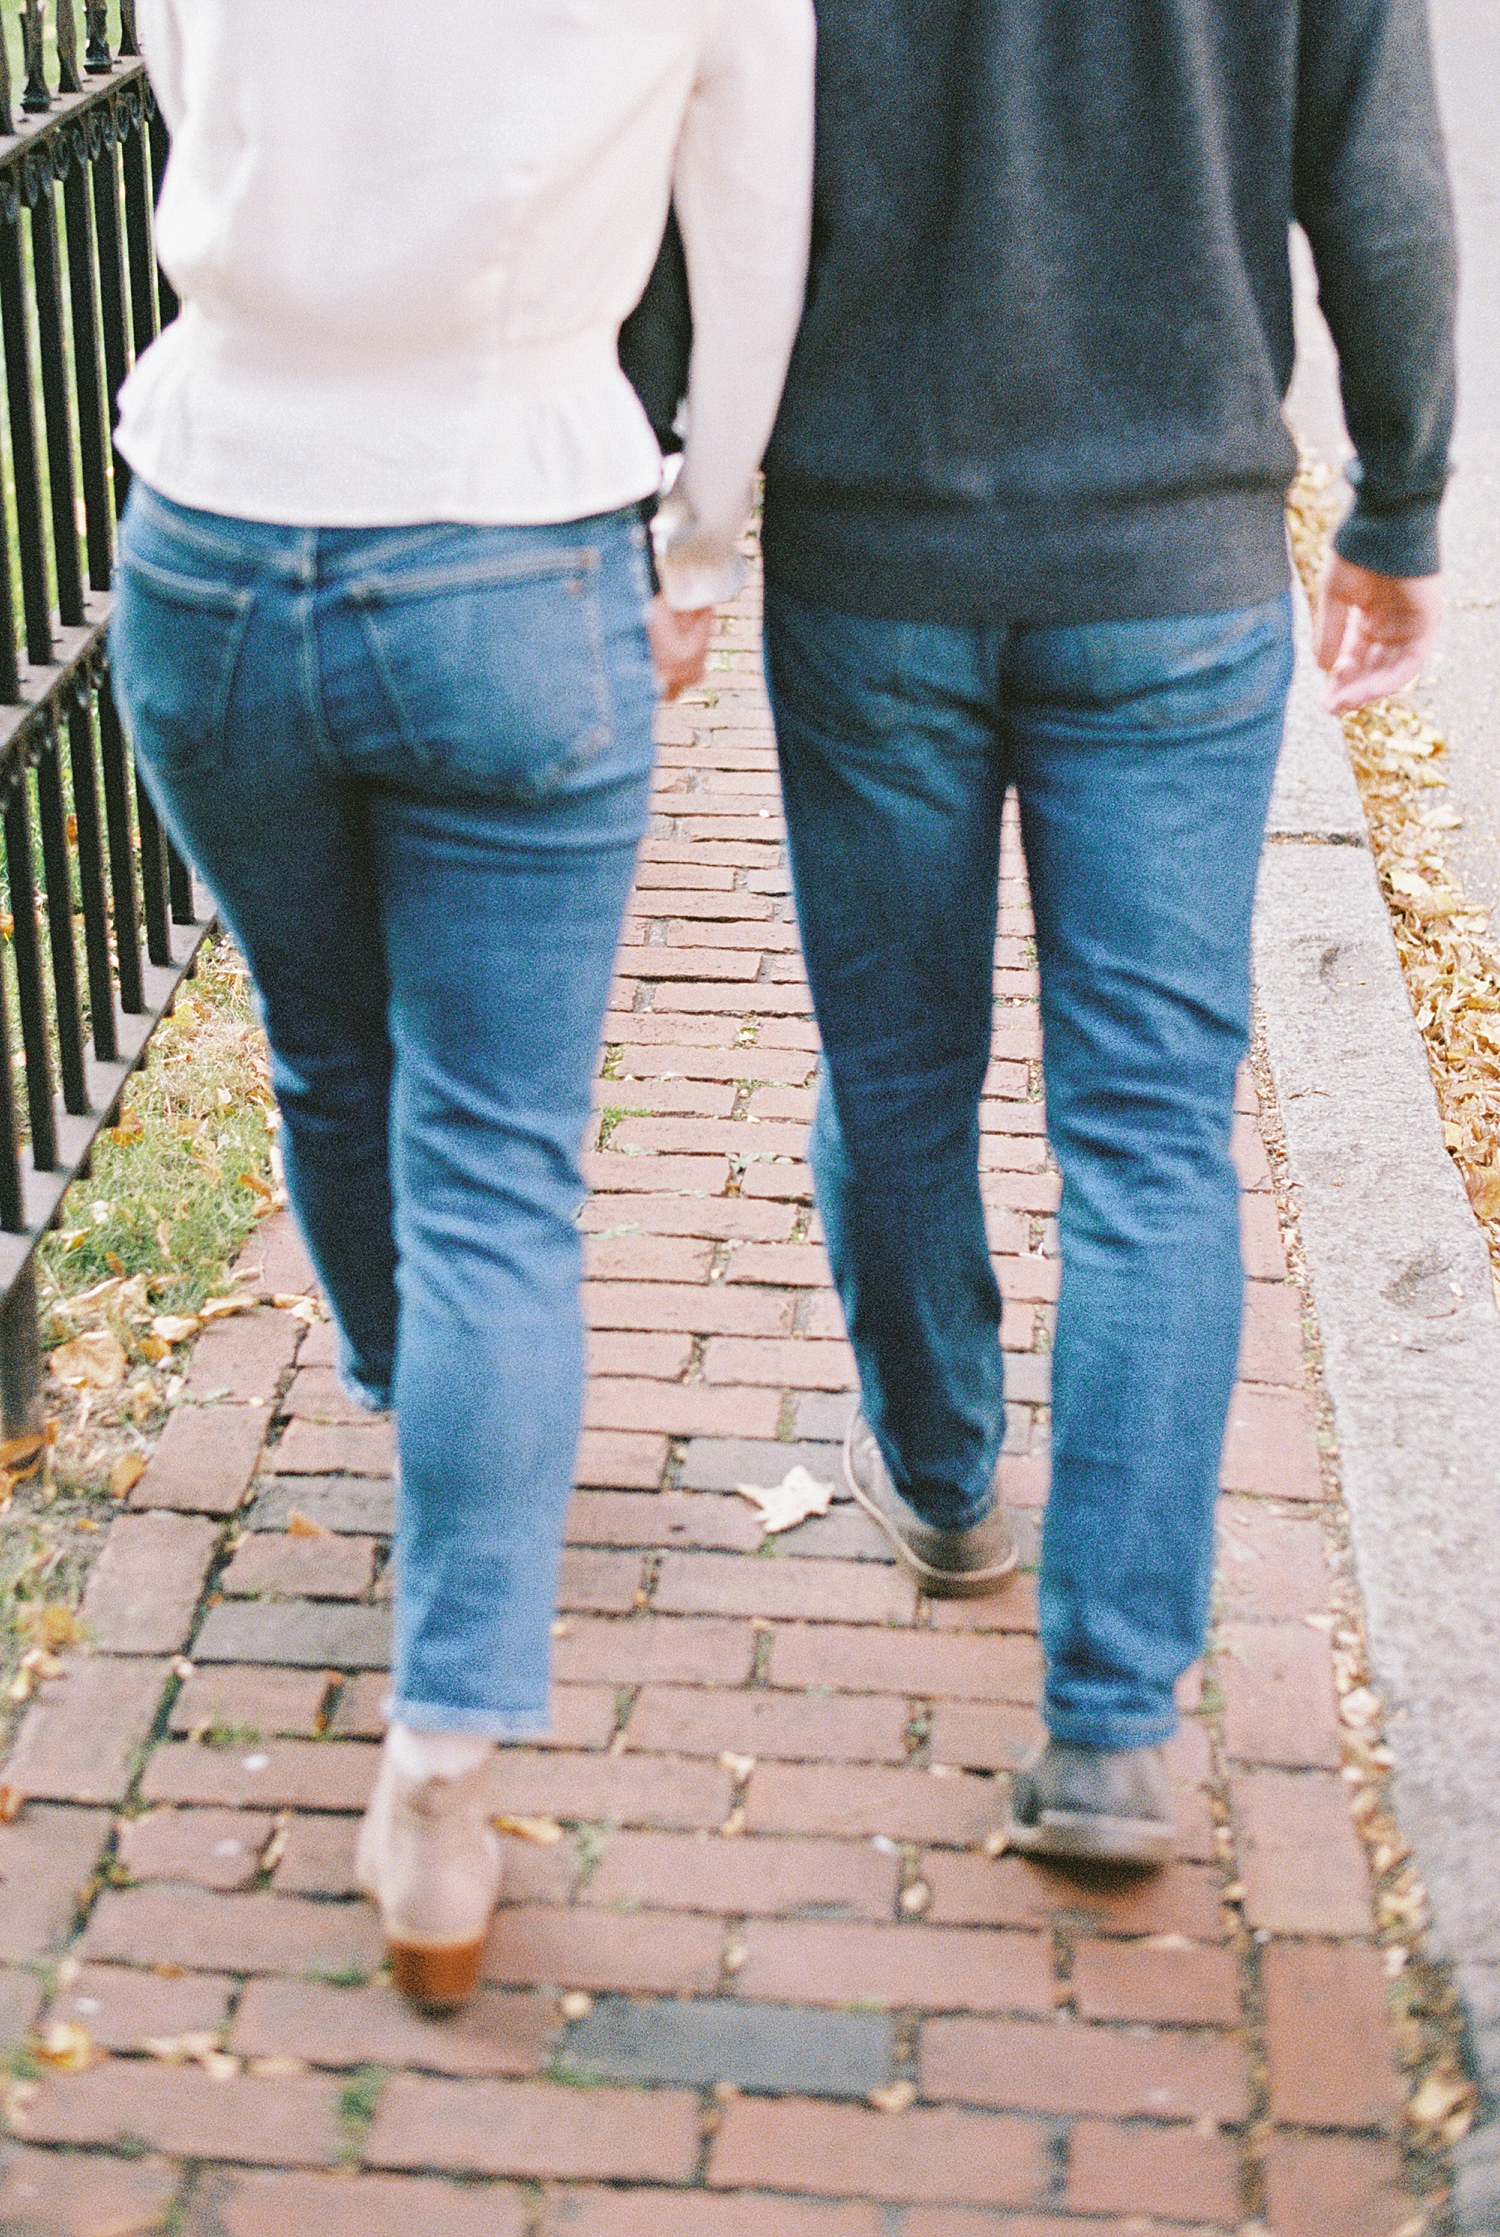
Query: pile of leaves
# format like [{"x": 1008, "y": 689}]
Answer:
[{"x": 1452, "y": 966}]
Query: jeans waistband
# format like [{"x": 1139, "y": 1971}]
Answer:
[{"x": 329, "y": 555}]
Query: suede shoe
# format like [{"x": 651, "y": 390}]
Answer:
[
  {"x": 430, "y": 1861},
  {"x": 947, "y": 1564},
  {"x": 1093, "y": 1805}
]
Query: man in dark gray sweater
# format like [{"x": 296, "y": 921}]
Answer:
[{"x": 1025, "y": 527}]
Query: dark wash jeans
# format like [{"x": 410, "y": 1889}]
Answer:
[
  {"x": 1143, "y": 755},
  {"x": 412, "y": 764}
]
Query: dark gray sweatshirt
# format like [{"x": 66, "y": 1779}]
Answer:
[{"x": 1049, "y": 324}]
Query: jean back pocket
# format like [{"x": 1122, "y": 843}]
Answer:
[
  {"x": 493, "y": 672},
  {"x": 174, "y": 643}
]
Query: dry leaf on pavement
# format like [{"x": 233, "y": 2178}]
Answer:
[
  {"x": 543, "y": 1831},
  {"x": 299, "y": 1525},
  {"x": 797, "y": 1496},
  {"x": 66, "y": 2046},
  {"x": 894, "y": 2098}
]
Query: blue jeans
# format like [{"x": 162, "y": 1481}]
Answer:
[
  {"x": 1143, "y": 755},
  {"x": 412, "y": 765}
]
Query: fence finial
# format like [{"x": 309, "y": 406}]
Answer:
[
  {"x": 129, "y": 43},
  {"x": 7, "y": 121},
  {"x": 96, "y": 59},
  {"x": 68, "y": 80},
  {"x": 36, "y": 100}
]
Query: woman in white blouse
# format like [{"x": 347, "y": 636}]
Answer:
[{"x": 382, "y": 644}]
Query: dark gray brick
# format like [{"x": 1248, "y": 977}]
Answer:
[
  {"x": 363, "y": 1506},
  {"x": 825, "y": 1413},
  {"x": 846, "y": 1533},
  {"x": 719, "y": 1463},
  {"x": 312, "y": 1634},
  {"x": 757, "y": 2046}
]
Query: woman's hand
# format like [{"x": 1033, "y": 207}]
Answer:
[
  {"x": 1373, "y": 631},
  {"x": 679, "y": 644}
]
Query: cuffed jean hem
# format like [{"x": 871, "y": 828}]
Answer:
[
  {"x": 1112, "y": 1733},
  {"x": 485, "y": 1724}
]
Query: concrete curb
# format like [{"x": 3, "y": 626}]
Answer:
[{"x": 1411, "y": 1336}]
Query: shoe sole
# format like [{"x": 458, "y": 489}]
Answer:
[
  {"x": 937, "y": 1584},
  {"x": 1087, "y": 1838}
]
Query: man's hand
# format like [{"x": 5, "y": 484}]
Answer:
[
  {"x": 1373, "y": 631},
  {"x": 679, "y": 644}
]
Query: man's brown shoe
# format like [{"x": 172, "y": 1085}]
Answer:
[
  {"x": 947, "y": 1564},
  {"x": 1093, "y": 1805}
]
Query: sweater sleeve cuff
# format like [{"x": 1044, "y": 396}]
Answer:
[
  {"x": 1395, "y": 540},
  {"x": 696, "y": 568}
]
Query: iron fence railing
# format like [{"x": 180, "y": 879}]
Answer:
[{"x": 90, "y": 881}]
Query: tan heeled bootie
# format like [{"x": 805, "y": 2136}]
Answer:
[{"x": 431, "y": 1862}]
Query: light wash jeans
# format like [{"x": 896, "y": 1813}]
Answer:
[
  {"x": 1143, "y": 755},
  {"x": 412, "y": 765}
]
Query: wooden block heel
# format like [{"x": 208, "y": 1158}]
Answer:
[{"x": 437, "y": 1978}]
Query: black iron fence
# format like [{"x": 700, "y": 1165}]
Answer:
[{"x": 101, "y": 916}]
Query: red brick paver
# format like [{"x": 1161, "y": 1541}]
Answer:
[{"x": 809, "y": 2002}]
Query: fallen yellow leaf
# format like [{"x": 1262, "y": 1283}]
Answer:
[
  {"x": 67, "y": 2046},
  {"x": 11, "y": 1803},
  {"x": 126, "y": 1474},
  {"x": 1438, "y": 2098},
  {"x": 175, "y": 1328},
  {"x": 299, "y": 1525},
  {"x": 220, "y": 1308},
  {"x": 1484, "y": 1192},
  {"x": 92, "y": 1361},
  {"x": 53, "y": 1627},
  {"x": 545, "y": 1832}
]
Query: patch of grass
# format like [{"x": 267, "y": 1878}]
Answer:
[
  {"x": 176, "y": 1190},
  {"x": 610, "y": 1117},
  {"x": 179, "y": 1183},
  {"x": 360, "y": 2096},
  {"x": 590, "y": 1843},
  {"x": 219, "y": 1735},
  {"x": 574, "y": 2074},
  {"x": 346, "y": 1976}
]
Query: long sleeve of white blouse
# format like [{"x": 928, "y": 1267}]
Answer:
[{"x": 402, "y": 290}]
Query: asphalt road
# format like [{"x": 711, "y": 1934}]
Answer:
[{"x": 1462, "y": 687}]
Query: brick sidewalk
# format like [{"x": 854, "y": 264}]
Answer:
[{"x": 769, "y": 1983}]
